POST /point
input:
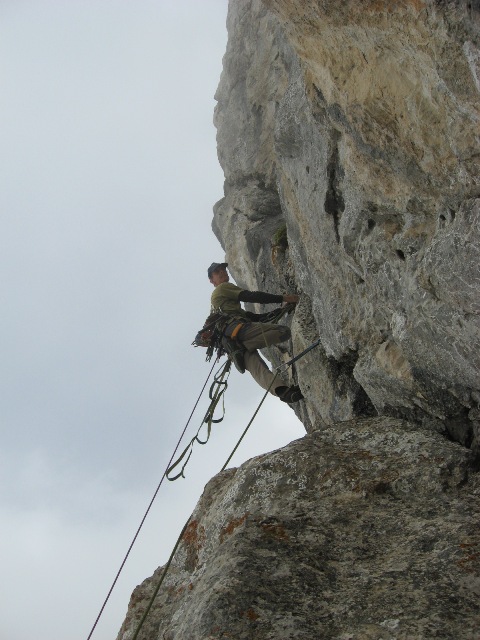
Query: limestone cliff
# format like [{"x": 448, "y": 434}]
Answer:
[
  {"x": 349, "y": 138},
  {"x": 357, "y": 125}
]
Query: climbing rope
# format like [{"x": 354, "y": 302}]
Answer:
[
  {"x": 182, "y": 532},
  {"x": 149, "y": 506},
  {"x": 216, "y": 394},
  {"x": 179, "y": 539}
]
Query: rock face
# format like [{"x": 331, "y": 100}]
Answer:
[
  {"x": 357, "y": 126},
  {"x": 349, "y": 134},
  {"x": 362, "y": 530}
]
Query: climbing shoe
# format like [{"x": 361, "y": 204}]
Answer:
[{"x": 290, "y": 395}]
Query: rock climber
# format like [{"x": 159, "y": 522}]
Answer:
[{"x": 251, "y": 336}]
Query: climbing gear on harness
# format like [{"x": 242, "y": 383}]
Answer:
[
  {"x": 217, "y": 389},
  {"x": 210, "y": 334},
  {"x": 234, "y": 333},
  {"x": 215, "y": 326}
]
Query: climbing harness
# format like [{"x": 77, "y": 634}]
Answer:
[{"x": 212, "y": 336}]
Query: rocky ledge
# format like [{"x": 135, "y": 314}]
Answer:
[{"x": 368, "y": 529}]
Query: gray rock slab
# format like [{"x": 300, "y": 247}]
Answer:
[
  {"x": 368, "y": 529},
  {"x": 357, "y": 126}
]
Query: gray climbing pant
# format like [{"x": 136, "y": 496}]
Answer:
[{"x": 257, "y": 335}]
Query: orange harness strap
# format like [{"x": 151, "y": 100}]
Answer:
[{"x": 236, "y": 330}]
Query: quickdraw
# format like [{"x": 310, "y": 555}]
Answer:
[{"x": 210, "y": 335}]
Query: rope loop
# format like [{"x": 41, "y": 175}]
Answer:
[{"x": 216, "y": 392}]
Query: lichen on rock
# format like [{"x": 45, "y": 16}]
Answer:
[{"x": 361, "y": 530}]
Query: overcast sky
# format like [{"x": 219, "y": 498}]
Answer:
[{"x": 108, "y": 177}]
